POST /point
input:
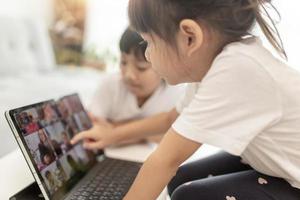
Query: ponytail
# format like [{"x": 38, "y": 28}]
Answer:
[{"x": 271, "y": 32}]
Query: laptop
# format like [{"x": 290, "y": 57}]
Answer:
[{"x": 61, "y": 170}]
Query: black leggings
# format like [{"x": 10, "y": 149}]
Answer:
[{"x": 224, "y": 177}]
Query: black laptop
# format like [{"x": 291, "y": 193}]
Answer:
[{"x": 61, "y": 170}]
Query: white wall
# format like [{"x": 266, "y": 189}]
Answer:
[
  {"x": 106, "y": 21},
  {"x": 39, "y": 9},
  {"x": 289, "y": 29}
]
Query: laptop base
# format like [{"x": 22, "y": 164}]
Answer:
[{"x": 31, "y": 192}]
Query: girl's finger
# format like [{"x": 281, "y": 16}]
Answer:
[
  {"x": 80, "y": 136},
  {"x": 94, "y": 145}
]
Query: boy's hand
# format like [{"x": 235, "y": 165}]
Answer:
[{"x": 98, "y": 137}]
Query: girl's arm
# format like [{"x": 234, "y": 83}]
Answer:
[{"x": 161, "y": 166}]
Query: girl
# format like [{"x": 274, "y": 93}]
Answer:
[{"x": 239, "y": 98}]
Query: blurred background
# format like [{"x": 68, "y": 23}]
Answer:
[{"x": 50, "y": 48}]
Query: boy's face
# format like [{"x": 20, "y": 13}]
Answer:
[{"x": 138, "y": 75}]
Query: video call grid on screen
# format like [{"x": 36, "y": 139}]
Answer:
[{"x": 47, "y": 129}]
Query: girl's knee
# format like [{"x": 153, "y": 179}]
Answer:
[
  {"x": 176, "y": 181},
  {"x": 180, "y": 193},
  {"x": 191, "y": 191},
  {"x": 173, "y": 184}
]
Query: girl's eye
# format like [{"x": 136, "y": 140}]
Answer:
[
  {"x": 123, "y": 63},
  {"x": 142, "y": 69},
  {"x": 143, "y": 66}
]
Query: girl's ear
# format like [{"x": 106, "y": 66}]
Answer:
[{"x": 190, "y": 36}]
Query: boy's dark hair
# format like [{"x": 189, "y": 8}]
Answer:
[
  {"x": 232, "y": 18},
  {"x": 132, "y": 42}
]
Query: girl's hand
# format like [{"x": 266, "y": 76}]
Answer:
[{"x": 98, "y": 137}]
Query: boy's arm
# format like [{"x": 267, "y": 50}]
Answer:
[
  {"x": 161, "y": 166},
  {"x": 140, "y": 129},
  {"x": 101, "y": 136}
]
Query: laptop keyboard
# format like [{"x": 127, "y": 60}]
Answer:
[{"x": 113, "y": 180}]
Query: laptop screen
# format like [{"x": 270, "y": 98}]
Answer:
[{"x": 46, "y": 129}]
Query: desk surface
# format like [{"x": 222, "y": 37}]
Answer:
[{"x": 15, "y": 174}]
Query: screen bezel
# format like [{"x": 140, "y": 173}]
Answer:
[{"x": 31, "y": 163}]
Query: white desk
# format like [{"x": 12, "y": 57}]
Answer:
[{"x": 15, "y": 174}]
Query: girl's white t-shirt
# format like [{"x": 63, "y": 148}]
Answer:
[
  {"x": 249, "y": 105},
  {"x": 113, "y": 101}
]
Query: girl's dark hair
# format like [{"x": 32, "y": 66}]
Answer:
[
  {"x": 132, "y": 42},
  {"x": 232, "y": 18}
]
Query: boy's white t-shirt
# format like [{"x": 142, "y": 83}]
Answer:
[
  {"x": 113, "y": 101},
  {"x": 249, "y": 105}
]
